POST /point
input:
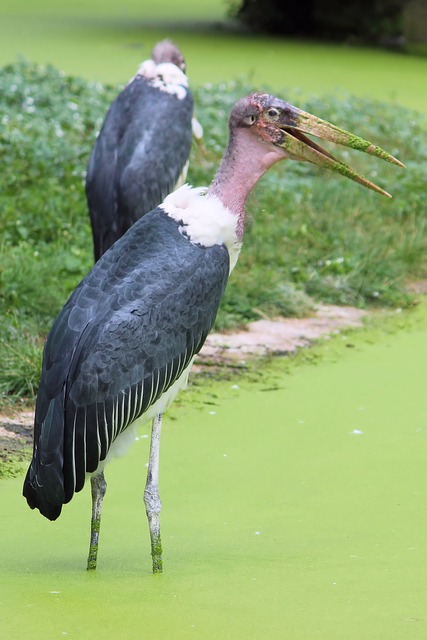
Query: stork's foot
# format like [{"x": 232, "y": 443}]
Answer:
[
  {"x": 156, "y": 550},
  {"x": 99, "y": 487},
  {"x": 153, "y": 506},
  {"x": 156, "y": 553},
  {"x": 152, "y": 500},
  {"x": 93, "y": 547}
]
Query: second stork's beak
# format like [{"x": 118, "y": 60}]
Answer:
[{"x": 295, "y": 123}]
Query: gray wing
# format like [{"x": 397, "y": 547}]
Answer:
[
  {"x": 140, "y": 153},
  {"x": 123, "y": 338}
]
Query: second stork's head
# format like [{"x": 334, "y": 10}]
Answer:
[{"x": 167, "y": 51}]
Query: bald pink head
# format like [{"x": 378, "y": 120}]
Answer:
[{"x": 167, "y": 51}]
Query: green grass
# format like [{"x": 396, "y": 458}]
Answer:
[{"x": 311, "y": 236}]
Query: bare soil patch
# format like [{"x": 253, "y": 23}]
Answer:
[
  {"x": 15, "y": 437},
  {"x": 277, "y": 337}
]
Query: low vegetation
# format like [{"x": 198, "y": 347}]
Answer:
[
  {"x": 311, "y": 236},
  {"x": 356, "y": 20}
]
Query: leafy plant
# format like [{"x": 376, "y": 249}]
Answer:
[{"x": 377, "y": 22}]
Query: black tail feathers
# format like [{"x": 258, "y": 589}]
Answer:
[{"x": 44, "y": 482}]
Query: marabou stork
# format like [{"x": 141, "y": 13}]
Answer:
[
  {"x": 142, "y": 151},
  {"x": 122, "y": 346}
]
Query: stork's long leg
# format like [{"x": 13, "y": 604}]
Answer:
[
  {"x": 99, "y": 487},
  {"x": 152, "y": 501}
]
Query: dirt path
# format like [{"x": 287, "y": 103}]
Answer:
[
  {"x": 260, "y": 338},
  {"x": 278, "y": 337}
]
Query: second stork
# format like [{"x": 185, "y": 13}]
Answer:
[{"x": 142, "y": 151}]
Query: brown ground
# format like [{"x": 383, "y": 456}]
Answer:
[
  {"x": 260, "y": 338},
  {"x": 278, "y": 337}
]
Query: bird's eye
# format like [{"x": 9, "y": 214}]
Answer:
[
  {"x": 249, "y": 119},
  {"x": 273, "y": 113}
]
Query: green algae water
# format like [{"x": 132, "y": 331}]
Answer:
[
  {"x": 293, "y": 508},
  {"x": 105, "y": 41}
]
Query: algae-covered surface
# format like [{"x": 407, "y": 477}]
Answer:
[
  {"x": 294, "y": 507},
  {"x": 105, "y": 41}
]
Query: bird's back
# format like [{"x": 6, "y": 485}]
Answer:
[
  {"x": 139, "y": 156},
  {"x": 126, "y": 334}
]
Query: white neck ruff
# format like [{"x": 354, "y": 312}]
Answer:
[
  {"x": 205, "y": 220},
  {"x": 165, "y": 76}
]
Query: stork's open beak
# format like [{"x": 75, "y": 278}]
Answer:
[{"x": 295, "y": 123}]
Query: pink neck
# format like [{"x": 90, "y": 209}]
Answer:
[{"x": 245, "y": 161}]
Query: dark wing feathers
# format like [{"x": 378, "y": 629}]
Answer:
[
  {"x": 125, "y": 335},
  {"x": 137, "y": 159}
]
